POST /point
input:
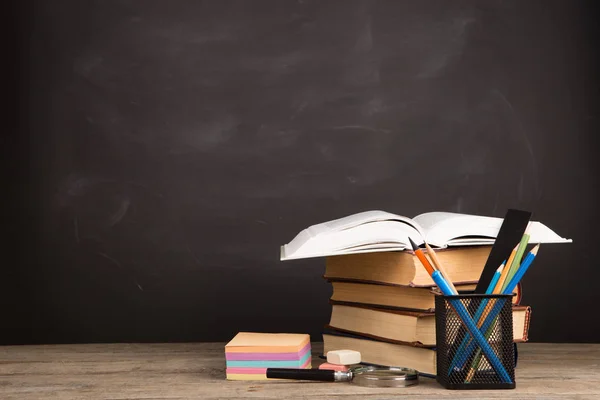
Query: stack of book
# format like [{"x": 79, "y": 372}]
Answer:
[
  {"x": 382, "y": 301},
  {"x": 249, "y": 354},
  {"x": 390, "y": 318}
]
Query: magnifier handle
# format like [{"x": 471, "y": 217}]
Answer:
[{"x": 313, "y": 374}]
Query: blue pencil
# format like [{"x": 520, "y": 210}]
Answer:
[
  {"x": 463, "y": 314},
  {"x": 495, "y": 278},
  {"x": 523, "y": 268},
  {"x": 509, "y": 289},
  {"x": 480, "y": 310}
]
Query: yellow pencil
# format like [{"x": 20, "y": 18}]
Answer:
[
  {"x": 438, "y": 265},
  {"x": 505, "y": 271},
  {"x": 498, "y": 287}
]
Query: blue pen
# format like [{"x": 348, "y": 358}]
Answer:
[
  {"x": 480, "y": 310},
  {"x": 471, "y": 327},
  {"x": 509, "y": 288}
]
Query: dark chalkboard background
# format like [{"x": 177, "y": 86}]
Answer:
[{"x": 165, "y": 150}]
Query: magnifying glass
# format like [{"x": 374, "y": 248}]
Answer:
[{"x": 368, "y": 376}]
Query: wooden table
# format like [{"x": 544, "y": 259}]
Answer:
[{"x": 197, "y": 371}]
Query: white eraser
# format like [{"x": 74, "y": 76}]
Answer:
[{"x": 343, "y": 357}]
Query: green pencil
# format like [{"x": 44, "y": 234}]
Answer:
[{"x": 514, "y": 266}]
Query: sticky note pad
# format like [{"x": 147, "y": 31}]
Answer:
[
  {"x": 249, "y": 354},
  {"x": 245, "y": 342},
  {"x": 237, "y": 356},
  {"x": 269, "y": 363}
]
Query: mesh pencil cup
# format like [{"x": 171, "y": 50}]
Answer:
[{"x": 475, "y": 360}]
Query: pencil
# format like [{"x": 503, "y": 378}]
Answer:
[
  {"x": 517, "y": 260},
  {"x": 495, "y": 278},
  {"x": 467, "y": 340},
  {"x": 484, "y": 303},
  {"x": 463, "y": 315},
  {"x": 523, "y": 268},
  {"x": 509, "y": 288},
  {"x": 499, "y": 285},
  {"x": 440, "y": 267},
  {"x": 490, "y": 290},
  {"x": 498, "y": 288},
  {"x": 421, "y": 256}
]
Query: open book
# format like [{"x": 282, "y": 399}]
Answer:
[{"x": 372, "y": 231}]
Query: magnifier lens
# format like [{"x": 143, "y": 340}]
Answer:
[{"x": 385, "y": 377}]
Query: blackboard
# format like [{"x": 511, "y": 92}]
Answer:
[{"x": 172, "y": 147}]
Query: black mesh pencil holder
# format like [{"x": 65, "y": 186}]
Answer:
[{"x": 467, "y": 359}]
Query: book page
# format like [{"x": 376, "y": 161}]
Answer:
[
  {"x": 455, "y": 229},
  {"x": 379, "y": 231},
  {"x": 383, "y": 235},
  {"x": 540, "y": 233},
  {"x": 442, "y": 227},
  {"x": 359, "y": 219}
]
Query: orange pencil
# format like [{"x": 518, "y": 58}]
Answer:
[
  {"x": 421, "y": 256},
  {"x": 440, "y": 267},
  {"x": 504, "y": 274}
]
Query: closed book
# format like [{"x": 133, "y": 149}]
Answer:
[
  {"x": 397, "y": 296},
  {"x": 462, "y": 264},
  {"x": 422, "y": 359},
  {"x": 414, "y": 328}
]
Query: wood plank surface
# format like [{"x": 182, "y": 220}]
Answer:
[{"x": 197, "y": 371}]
